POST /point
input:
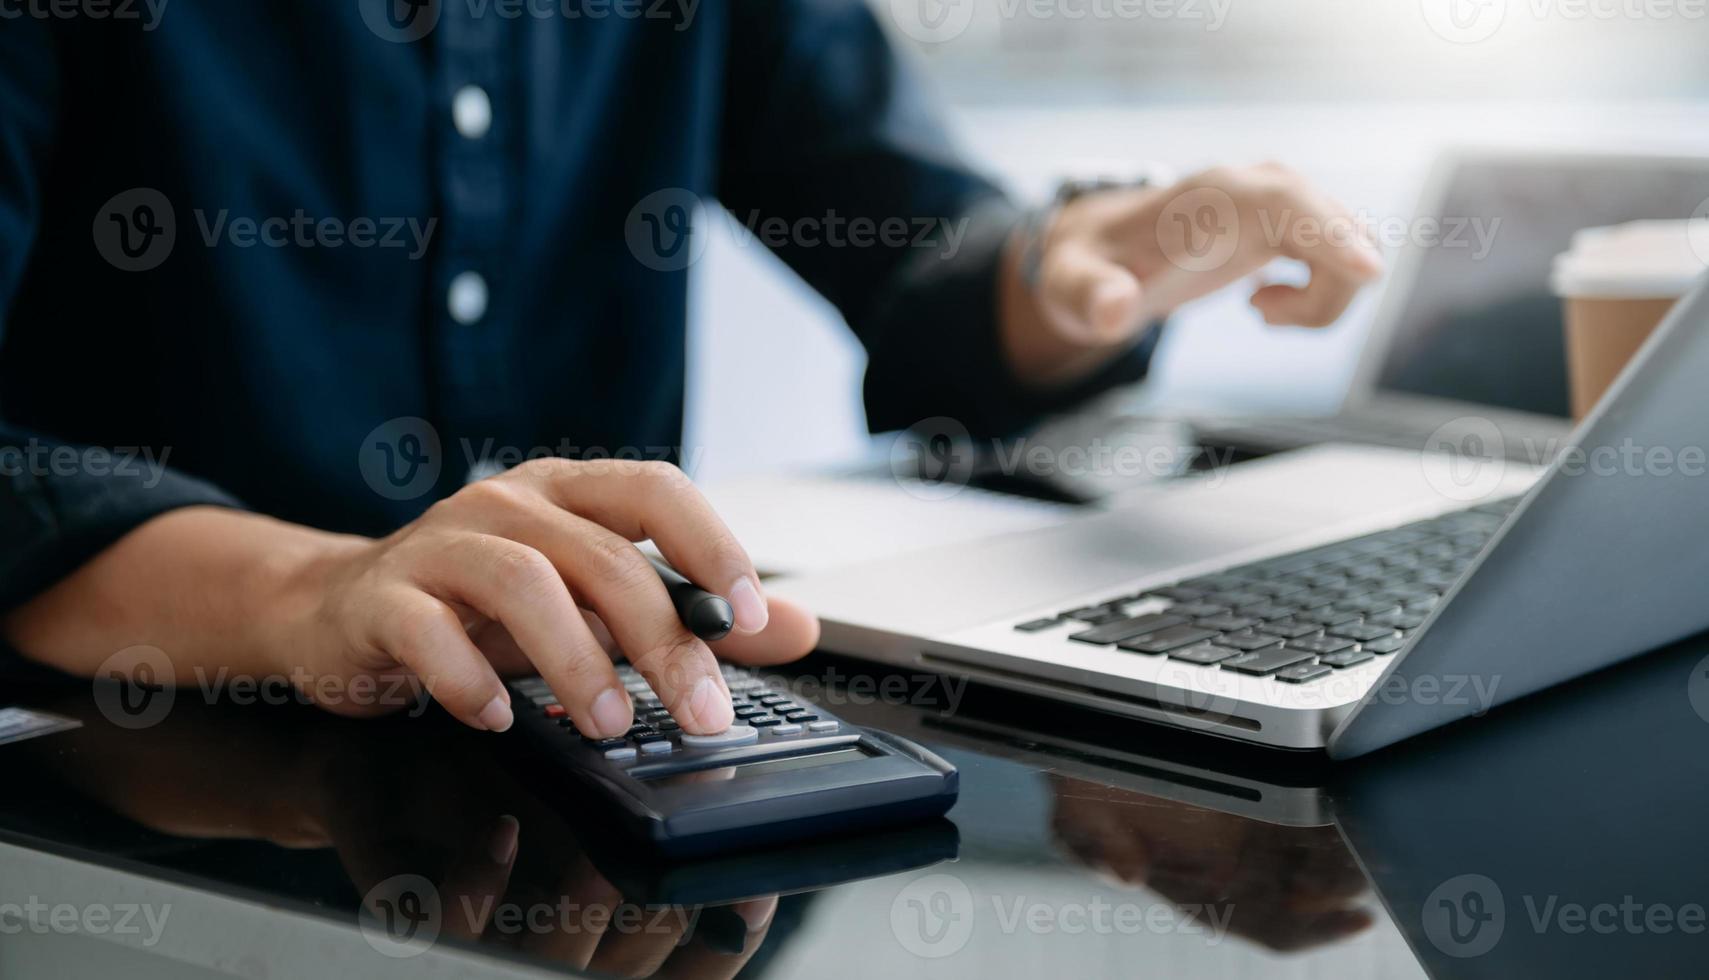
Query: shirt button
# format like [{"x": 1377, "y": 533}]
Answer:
[
  {"x": 467, "y": 298},
  {"x": 472, "y": 111}
]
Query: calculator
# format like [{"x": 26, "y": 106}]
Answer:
[{"x": 785, "y": 770}]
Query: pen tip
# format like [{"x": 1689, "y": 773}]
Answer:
[{"x": 712, "y": 618}]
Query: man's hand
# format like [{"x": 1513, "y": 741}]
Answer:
[
  {"x": 1113, "y": 262},
  {"x": 531, "y": 571},
  {"x": 498, "y": 575}
]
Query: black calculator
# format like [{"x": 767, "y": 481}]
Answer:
[{"x": 785, "y": 770}]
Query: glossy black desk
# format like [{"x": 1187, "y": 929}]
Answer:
[{"x": 1560, "y": 836}]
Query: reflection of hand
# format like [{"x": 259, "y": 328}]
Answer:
[
  {"x": 1283, "y": 887},
  {"x": 400, "y": 799},
  {"x": 509, "y": 870}
]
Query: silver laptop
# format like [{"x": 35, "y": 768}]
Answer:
[
  {"x": 1467, "y": 325},
  {"x": 1338, "y": 597}
]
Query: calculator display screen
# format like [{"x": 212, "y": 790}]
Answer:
[{"x": 762, "y": 768}]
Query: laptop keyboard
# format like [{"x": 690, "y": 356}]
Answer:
[{"x": 1299, "y": 617}]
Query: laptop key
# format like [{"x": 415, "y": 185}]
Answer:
[
  {"x": 1194, "y": 610},
  {"x": 1236, "y": 598},
  {"x": 1093, "y": 615},
  {"x": 1300, "y": 673},
  {"x": 1247, "y": 640},
  {"x": 1361, "y": 631},
  {"x": 1216, "y": 583},
  {"x": 1178, "y": 593},
  {"x": 1399, "y": 619},
  {"x": 1289, "y": 629},
  {"x": 1164, "y": 640},
  {"x": 1034, "y": 625},
  {"x": 1203, "y": 654},
  {"x": 1265, "y": 611},
  {"x": 1266, "y": 661},
  {"x": 1320, "y": 644},
  {"x": 1364, "y": 604},
  {"x": 1127, "y": 628},
  {"x": 1386, "y": 645},
  {"x": 1346, "y": 658},
  {"x": 1225, "y": 624},
  {"x": 1326, "y": 616}
]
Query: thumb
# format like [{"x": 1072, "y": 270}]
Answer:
[{"x": 1092, "y": 299}]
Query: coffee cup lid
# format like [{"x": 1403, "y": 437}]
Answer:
[{"x": 1637, "y": 260}]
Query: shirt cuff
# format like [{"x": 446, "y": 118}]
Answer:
[{"x": 59, "y": 507}]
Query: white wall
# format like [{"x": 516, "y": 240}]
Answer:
[{"x": 774, "y": 378}]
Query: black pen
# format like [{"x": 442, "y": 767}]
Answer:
[{"x": 706, "y": 615}]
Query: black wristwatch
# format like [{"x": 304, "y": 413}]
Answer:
[{"x": 1037, "y": 222}]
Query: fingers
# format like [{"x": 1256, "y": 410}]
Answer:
[
  {"x": 424, "y": 634},
  {"x": 1210, "y": 230},
  {"x": 607, "y": 572},
  {"x": 583, "y": 888},
  {"x": 1092, "y": 297},
  {"x": 643, "y": 944},
  {"x": 475, "y": 882},
  {"x": 727, "y": 937},
  {"x": 522, "y": 589},
  {"x": 1319, "y": 303},
  {"x": 658, "y": 501}
]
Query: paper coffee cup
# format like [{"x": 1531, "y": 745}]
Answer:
[{"x": 1617, "y": 283}]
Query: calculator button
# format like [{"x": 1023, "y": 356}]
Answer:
[
  {"x": 621, "y": 753},
  {"x": 764, "y": 722},
  {"x": 801, "y": 716},
  {"x": 668, "y": 725},
  {"x": 542, "y": 700},
  {"x": 569, "y": 723},
  {"x": 734, "y": 735},
  {"x": 604, "y": 743},
  {"x": 786, "y": 730},
  {"x": 556, "y": 711},
  {"x": 821, "y": 726},
  {"x": 771, "y": 699},
  {"x": 655, "y": 748},
  {"x": 649, "y": 737}
]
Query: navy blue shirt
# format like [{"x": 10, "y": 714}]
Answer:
[{"x": 254, "y": 240}]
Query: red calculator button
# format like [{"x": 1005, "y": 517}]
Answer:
[{"x": 555, "y": 711}]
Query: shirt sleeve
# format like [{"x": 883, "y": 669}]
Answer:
[
  {"x": 60, "y": 504},
  {"x": 835, "y": 158}
]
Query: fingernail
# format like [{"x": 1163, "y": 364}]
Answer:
[
  {"x": 501, "y": 847},
  {"x": 722, "y": 930},
  {"x": 612, "y": 712},
  {"x": 710, "y": 707},
  {"x": 496, "y": 715},
  {"x": 756, "y": 912},
  {"x": 749, "y": 607}
]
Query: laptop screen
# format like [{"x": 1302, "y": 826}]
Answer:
[{"x": 1481, "y": 324}]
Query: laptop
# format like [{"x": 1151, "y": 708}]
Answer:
[
  {"x": 1337, "y": 598},
  {"x": 1467, "y": 325}
]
